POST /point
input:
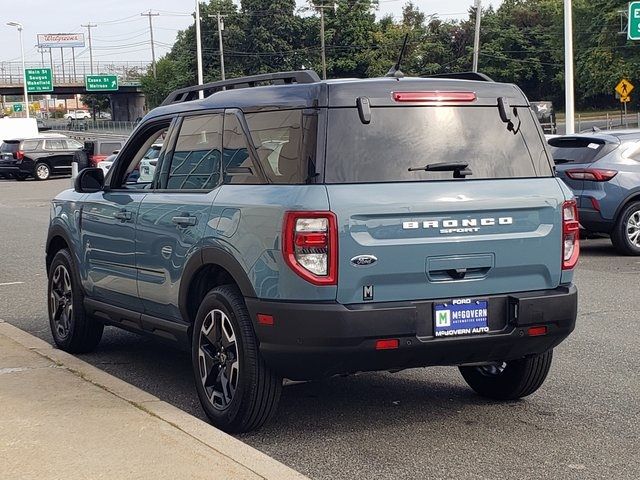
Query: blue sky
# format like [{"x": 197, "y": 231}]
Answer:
[{"x": 123, "y": 35}]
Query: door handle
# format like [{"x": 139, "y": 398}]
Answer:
[
  {"x": 186, "y": 221},
  {"x": 122, "y": 215}
]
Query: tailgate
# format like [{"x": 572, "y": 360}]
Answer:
[{"x": 440, "y": 240}]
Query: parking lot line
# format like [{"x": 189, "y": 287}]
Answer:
[{"x": 6, "y": 284}]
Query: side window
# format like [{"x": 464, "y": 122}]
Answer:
[
  {"x": 54, "y": 145},
  {"x": 108, "y": 148},
  {"x": 277, "y": 137},
  {"x": 237, "y": 164},
  {"x": 196, "y": 160},
  {"x": 30, "y": 145},
  {"x": 73, "y": 144}
]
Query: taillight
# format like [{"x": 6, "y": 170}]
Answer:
[
  {"x": 591, "y": 174},
  {"x": 570, "y": 235},
  {"x": 20, "y": 155},
  {"x": 310, "y": 246},
  {"x": 435, "y": 96}
]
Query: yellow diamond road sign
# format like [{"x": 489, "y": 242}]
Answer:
[{"x": 624, "y": 88}]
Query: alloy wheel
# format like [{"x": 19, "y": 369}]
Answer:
[
  {"x": 42, "y": 172},
  {"x": 633, "y": 229},
  {"x": 61, "y": 301},
  {"x": 218, "y": 359}
]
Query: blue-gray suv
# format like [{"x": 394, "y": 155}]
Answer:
[
  {"x": 603, "y": 170},
  {"x": 298, "y": 228}
]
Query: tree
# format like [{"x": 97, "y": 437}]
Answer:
[{"x": 97, "y": 102}]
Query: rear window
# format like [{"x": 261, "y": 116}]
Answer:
[
  {"x": 579, "y": 149},
  {"x": 9, "y": 147},
  {"x": 108, "y": 148},
  {"x": 399, "y": 138}
]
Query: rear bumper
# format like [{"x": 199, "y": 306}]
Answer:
[
  {"x": 593, "y": 221},
  {"x": 314, "y": 340}
]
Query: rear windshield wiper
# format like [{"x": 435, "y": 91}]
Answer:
[{"x": 459, "y": 169}]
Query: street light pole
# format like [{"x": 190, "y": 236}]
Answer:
[
  {"x": 220, "y": 29},
  {"x": 476, "y": 39},
  {"x": 199, "y": 49},
  {"x": 24, "y": 70},
  {"x": 570, "y": 122}
]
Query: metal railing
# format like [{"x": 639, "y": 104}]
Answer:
[
  {"x": 71, "y": 72},
  {"x": 98, "y": 126}
]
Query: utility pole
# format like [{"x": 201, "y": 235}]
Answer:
[
  {"x": 220, "y": 29},
  {"x": 570, "y": 122},
  {"x": 322, "y": 44},
  {"x": 199, "y": 49},
  {"x": 153, "y": 50},
  {"x": 89, "y": 26},
  {"x": 476, "y": 40}
]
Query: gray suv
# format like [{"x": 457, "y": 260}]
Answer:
[{"x": 298, "y": 228}]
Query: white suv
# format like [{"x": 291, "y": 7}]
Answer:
[{"x": 77, "y": 115}]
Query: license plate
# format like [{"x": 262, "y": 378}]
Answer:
[{"x": 461, "y": 317}]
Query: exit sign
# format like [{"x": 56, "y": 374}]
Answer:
[
  {"x": 633, "y": 32},
  {"x": 101, "y": 83}
]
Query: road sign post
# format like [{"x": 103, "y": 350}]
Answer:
[
  {"x": 38, "y": 80},
  {"x": 101, "y": 83},
  {"x": 633, "y": 31},
  {"x": 624, "y": 89}
]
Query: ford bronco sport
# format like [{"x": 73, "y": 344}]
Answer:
[{"x": 298, "y": 228}]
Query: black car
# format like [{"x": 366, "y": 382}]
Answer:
[{"x": 39, "y": 157}]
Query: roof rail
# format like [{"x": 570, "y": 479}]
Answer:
[
  {"x": 281, "y": 78},
  {"x": 463, "y": 76}
]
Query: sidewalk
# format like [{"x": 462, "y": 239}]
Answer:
[{"x": 61, "y": 418}]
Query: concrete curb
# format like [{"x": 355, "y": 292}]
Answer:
[{"x": 226, "y": 445}]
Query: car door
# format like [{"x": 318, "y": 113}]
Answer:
[
  {"x": 108, "y": 227},
  {"x": 57, "y": 155},
  {"x": 174, "y": 215}
]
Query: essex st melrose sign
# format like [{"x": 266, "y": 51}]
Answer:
[
  {"x": 633, "y": 32},
  {"x": 38, "y": 80},
  {"x": 101, "y": 83}
]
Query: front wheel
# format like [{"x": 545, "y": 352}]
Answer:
[
  {"x": 509, "y": 380},
  {"x": 626, "y": 233},
  {"x": 238, "y": 391}
]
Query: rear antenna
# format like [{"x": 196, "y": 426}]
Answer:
[{"x": 395, "y": 71}]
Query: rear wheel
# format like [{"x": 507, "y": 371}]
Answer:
[
  {"x": 509, "y": 380},
  {"x": 626, "y": 233},
  {"x": 72, "y": 329},
  {"x": 42, "y": 171},
  {"x": 238, "y": 391}
]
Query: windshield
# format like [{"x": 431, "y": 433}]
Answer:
[{"x": 398, "y": 139}]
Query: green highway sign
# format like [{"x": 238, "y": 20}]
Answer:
[
  {"x": 101, "y": 83},
  {"x": 18, "y": 107},
  {"x": 633, "y": 32},
  {"x": 38, "y": 80}
]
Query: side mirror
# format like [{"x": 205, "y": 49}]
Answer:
[{"x": 89, "y": 180}]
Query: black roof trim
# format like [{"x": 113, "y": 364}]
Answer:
[
  {"x": 286, "y": 78},
  {"x": 463, "y": 76}
]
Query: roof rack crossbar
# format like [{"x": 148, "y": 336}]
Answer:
[
  {"x": 463, "y": 76},
  {"x": 191, "y": 93}
]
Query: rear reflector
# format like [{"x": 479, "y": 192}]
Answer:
[
  {"x": 537, "y": 331},
  {"x": 434, "y": 96},
  {"x": 20, "y": 155},
  {"x": 387, "y": 344},
  {"x": 591, "y": 174},
  {"x": 265, "y": 319}
]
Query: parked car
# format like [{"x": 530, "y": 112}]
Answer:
[
  {"x": 98, "y": 149},
  {"x": 147, "y": 166},
  {"x": 303, "y": 228},
  {"x": 106, "y": 164},
  {"x": 40, "y": 157},
  {"x": 77, "y": 115},
  {"x": 603, "y": 170}
]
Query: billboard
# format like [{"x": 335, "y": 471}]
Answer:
[{"x": 60, "y": 40}]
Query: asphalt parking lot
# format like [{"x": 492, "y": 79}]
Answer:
[{"x": 584, "y": 423}]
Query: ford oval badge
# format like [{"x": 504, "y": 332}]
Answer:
[{"x": 363, "y": 260}]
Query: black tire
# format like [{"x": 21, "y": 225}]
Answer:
[
  {"x": 42, "y": 171},
  {"x": 509, "y": 380},
  {"x": 625, "y": 235},
  {"x": 81, "y": 158},
  {"x": 252, "y": 391},
  {"x": 73, "y": 330}
]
